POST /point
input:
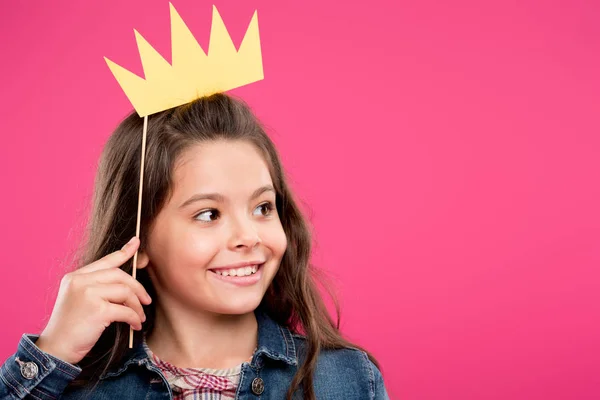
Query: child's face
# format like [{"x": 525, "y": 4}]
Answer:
[{"x": 189, "y": 237}]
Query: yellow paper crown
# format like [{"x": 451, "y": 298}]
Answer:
[{"x": 194, "y": 73}]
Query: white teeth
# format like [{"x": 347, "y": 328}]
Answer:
[{"x": 244, "y": 271}]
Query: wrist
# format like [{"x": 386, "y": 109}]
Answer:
[{"x": 48, "y": 347}]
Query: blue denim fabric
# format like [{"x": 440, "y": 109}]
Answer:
[{"x": 340, "y": 374}]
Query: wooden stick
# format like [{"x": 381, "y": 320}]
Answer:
[{"x": 139, "y": 213}]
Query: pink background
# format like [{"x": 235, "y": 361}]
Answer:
[{"x": 448, "y": 154}]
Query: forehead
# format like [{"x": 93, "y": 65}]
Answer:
[{"x": 228, "y": 167}]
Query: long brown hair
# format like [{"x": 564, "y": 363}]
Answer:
[{"x": 292, "y": 300}]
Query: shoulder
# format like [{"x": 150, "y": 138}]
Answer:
[
  {"x": 347, "y": 355},
  {"x": 348, "y": 367}
]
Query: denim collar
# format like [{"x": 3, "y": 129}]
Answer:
[{"x": 274, "y": 341}]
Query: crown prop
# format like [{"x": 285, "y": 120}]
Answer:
[{"x": 193, "y": 74}]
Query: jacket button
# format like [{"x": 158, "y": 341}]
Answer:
[
  {"x": 258, "y": 386},
  {"x": 29, "y": 370}
]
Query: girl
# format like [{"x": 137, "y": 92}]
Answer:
[{"x": 225, "y": 305}]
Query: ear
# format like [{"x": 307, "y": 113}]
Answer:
[{"x": 142, "y": 260}]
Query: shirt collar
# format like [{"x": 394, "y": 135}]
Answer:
[{"x": 274, "y": 341}]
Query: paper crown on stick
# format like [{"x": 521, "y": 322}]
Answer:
[{"x": 193, "y": 72}]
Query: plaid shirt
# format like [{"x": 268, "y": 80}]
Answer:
[{"x": 198, "y": 383}]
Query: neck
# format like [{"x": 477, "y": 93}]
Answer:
[{"x": 189, "y": 338}]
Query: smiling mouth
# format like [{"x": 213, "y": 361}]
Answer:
[{"x": 238, "y": 272}]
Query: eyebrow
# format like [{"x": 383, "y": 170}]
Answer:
[{"x": 220, "y": 198}]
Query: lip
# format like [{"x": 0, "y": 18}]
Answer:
[
  {"x": 240, "y": 280},
  {"x": 238, "y": 265}
]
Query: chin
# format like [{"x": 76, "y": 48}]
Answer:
[{"x": 241, "y": 307}]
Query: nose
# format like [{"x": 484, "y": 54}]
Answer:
[{"x": 244, "y": 234}]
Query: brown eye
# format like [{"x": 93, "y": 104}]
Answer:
[
  {"x": 211, "y": 213},
  {"x": 267, "y": 207}
]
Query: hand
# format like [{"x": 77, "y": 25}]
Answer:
[{"x": 89, "y": 300}]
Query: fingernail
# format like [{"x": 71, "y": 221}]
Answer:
[
  {"x": 128, "y": 243},
  {"x": 144, "y": 318}
]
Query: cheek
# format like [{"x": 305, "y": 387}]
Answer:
[
  {"x": 195, "y": 249},
  {"x": 276, "y": 240},
  {"x": 184, "y": 249}
]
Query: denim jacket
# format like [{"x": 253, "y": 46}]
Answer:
[{"x": 340, "y": 374}]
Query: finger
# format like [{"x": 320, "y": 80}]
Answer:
[
  {"x": 121, "y": 294},
  {"x": 114, "y": 259},
  {"x": 119, "y": 276},
  {"x": 120, "y": 313}
]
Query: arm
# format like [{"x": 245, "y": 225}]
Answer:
[
  {"x": 379, "y": 392},
  {"x": 30, "y": 371}
]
